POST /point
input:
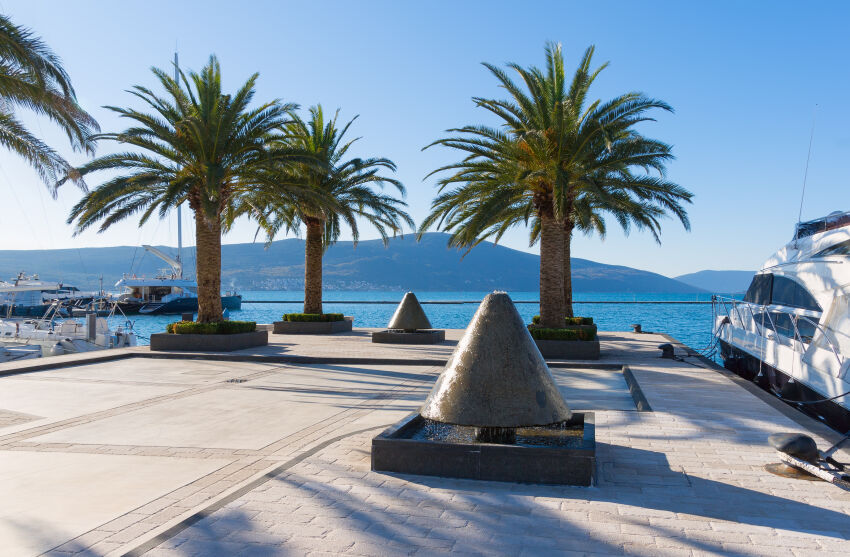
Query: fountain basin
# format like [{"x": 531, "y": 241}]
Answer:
[
  {"x": 398, "y": 336},
  {"x": 544, "y": 454}
]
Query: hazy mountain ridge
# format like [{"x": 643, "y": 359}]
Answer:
[
  {"x": 719, "y": 281},
  {"x": 404, "y": 264}
]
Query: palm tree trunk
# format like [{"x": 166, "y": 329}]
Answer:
[
  {"x": 313, "y": 266},
  {"x": 551, "y": 269},
  {"x": 208, "y": 262},
  {"x": 568, "y": 270}
]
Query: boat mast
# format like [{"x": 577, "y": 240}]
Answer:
[
  {"x": 805, "y": 177},
  {"x": 179, "y": 207}
]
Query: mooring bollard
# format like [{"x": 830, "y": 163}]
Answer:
[
  {"x": 666, "y": 351},
  {"x": 636, "y": 327}
]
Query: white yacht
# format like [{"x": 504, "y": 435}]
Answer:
[
  {"x": 29, "y": 296},
  {"x": 167, "y": 292},
  {"x": 791, "y": 332},
  {"x": 51, "y": 336}
]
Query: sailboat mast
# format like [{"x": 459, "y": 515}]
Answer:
[{"x": 179, "y": 207}]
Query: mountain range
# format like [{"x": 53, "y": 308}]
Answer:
[
  {"x": 405, "y": 264},
  {"x": 730, "y": 282}
]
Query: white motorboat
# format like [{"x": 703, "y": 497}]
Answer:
[
  {"x": 55, "y": 336},
  {"x": 30, "y": 296},
  {"x": 791, "y": 332}
]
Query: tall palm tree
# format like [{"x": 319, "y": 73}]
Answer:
[
  {"x": 588, "y": 158},
  {"x": 342, "y": 194},
  {"x": 32, "y": 77},
  {"x": 196, "y": 145}
]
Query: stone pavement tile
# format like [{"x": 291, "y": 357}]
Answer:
[
  {"x": 123, "y": 522},
  {"x": 260, "y": 550},
  {"x": 784, "y": 541},
  {"x": 749, "y": 549},
  {"x": 130, "y": 533},
  {"x": 162, "y": 552},
  {"x": 378, "y": 550},
  {"x": 210, "y": 548},
  {"x": 632, "y": 549}
]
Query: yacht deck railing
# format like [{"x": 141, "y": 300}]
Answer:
[{"x": 741, "y": 308}]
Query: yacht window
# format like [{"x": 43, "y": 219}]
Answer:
[
  {"x": 841, "y": 248},
  {"x": 783, "y": 324},
  {"x": 760, "y": 290},
  {"x": 786, "y": 292}
]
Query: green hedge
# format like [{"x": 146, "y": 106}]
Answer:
[
  {"x": 217, "y": 328},
  {"x": 312, "y": 317},
  {"x": 540, "y": 333},
  {"x": 568, "y": 320}
]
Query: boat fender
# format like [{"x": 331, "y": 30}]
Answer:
[{"x": 56, "y": 350}]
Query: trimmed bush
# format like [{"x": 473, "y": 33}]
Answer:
[
  {"x": 568, "y": 320},
  {"x": 540, "y": 333},
  {"x": 313, "y": 317},
  {"x": 217, "y": 328}
]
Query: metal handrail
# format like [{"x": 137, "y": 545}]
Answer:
[{"x": 794, "y": 320}]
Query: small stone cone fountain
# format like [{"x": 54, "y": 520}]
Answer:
[
  {"x": 409, "y": 315},
  {"x": 409, "y": 325},
  {"x": 496, "y": 380}
]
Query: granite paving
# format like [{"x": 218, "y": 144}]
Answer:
[{"x": 184, "y": 456}]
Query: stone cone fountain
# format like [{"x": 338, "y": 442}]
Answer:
[
  {"x": 409, "y": 325},
  {"x": 496, "y": 379},
  {"x": 494, "y": 413}
]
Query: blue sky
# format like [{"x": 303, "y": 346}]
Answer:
[{"x": 743, "y": 77}]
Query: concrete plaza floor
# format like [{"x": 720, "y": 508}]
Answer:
[{"x": 173, "y": 456}]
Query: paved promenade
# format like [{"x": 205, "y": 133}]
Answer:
[{"x": 183, "y": 457}]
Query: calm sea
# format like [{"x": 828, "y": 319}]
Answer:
[{"x": 689, "y": 323}]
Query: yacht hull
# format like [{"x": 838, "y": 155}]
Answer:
[
  {"x": 784, "y": 387},
  {"x": 26, "y": 311},
  {"x": 176, "y": 307}
]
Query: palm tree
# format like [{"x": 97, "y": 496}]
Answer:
[
  {"x": 32, "y": 77},
  {"x": 582, "y": 160},
  {"x": 196, "y": 145},
  {"x": 342, "y": 194}
]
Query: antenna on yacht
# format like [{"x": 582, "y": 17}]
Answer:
[
  {"x": 179, "y": 207},
  {"x": 806, "y": 175}
]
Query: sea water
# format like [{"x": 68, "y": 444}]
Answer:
[{"x": 687, "y": 322}]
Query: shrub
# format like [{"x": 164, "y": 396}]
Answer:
[
  {"x": 217, "y": 328},
  {"x": 540, "y": 333},
  {"x": 568, "y": 320},
  {"x": 311, "y": 317}
]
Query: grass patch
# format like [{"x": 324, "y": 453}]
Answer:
[
  {"x": 568, "y": 320},
  {"x": 542, "y": 333},
  {"x": 313, "y": 317},
  {"x": 216, "y": 328}
]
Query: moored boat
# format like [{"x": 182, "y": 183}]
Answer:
[
  {"x": 167, "y": 293},
  {"x": 791, "y": 332},
  {"x": 54, "y": 336}
]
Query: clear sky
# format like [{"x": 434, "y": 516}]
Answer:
[{"x": 743, "y": 77}]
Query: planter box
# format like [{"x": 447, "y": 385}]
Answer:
[
  {"x": 399, "y": 450},
  {"x": 313, "y": 327},
  {"x": 424, "y": 336},
  {"x": 569, "y": 349},
  {"x": 208, "y": 343}
]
